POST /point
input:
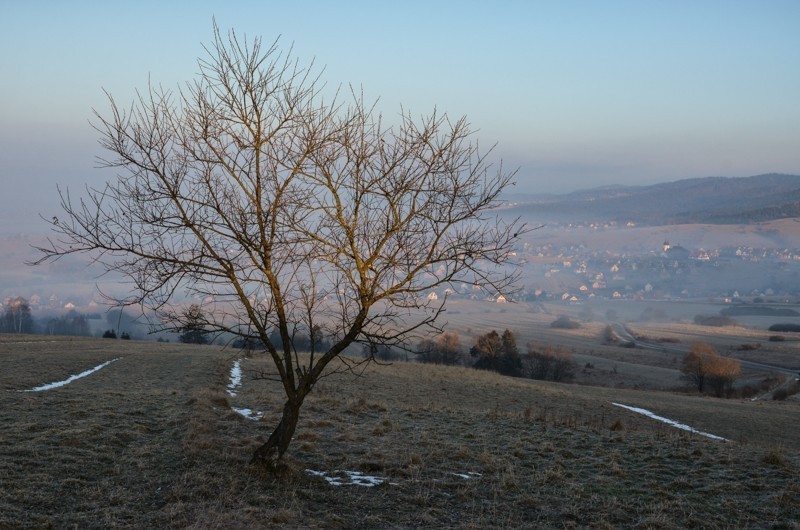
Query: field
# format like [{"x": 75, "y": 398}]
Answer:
[
  {"x": 153, "y": 440},
  {"x": 613, "y": 366}
]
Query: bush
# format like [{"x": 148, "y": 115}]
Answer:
[
  {"x": 795, "y": 328},
  {"x": 706, "y": 369},
  {"x": 564, "y": 322},
  {"x": 785, "y": 392},
  {"x": 649, "y": 314},
  {"x": 446, "y": 349},
  {"x": 777, "y": 338},
  {"x": 551, "y": 364},
  {"x": 749, "y": 347},
  {"x": 109, "y": 334}
]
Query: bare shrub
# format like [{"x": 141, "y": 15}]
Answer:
[
  {"x": 786, "y": 391},
  {"x": 749, "y": 347},
  {"x": 446, "y": 349},
  {"x": 551, "y": 363},
  {"x": 705, "y": 368},
  {"x": 776, "y": 457}
]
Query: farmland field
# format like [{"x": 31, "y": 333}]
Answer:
[{"x": 153, "y": 440}]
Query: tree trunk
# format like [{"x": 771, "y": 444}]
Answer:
[{"x": 282, "y": 435}]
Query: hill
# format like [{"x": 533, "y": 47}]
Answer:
[
  {"x": 714, "y": 200},
  {"x": 155, "y": 439}
]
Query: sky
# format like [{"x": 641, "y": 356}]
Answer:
[{"x": 576, "y": 94}]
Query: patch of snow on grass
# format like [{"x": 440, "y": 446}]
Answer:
[
  {"x": 71, "y": 378},
  {"x": 670, "y": 422},
  {"x": 248, "y": 413},
  {"x": 236, "y": 378},
  {"x": 468, "y": 475},
  {"x": 348, "y": 478}
]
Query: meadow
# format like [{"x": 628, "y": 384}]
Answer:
[{"x": 153, "y": 440}]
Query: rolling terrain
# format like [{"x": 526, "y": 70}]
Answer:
[
  {"x": 154, "y": 439},
  {"x": 710, "y": 200}
]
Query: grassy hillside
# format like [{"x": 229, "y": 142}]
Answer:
[{"x": 151, "y": 440}]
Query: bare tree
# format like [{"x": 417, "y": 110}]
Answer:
[
  {"x": 293, "y": 213},
  {"x": 446, "y": 349},
  {"x": 704, "y": 367},
  {"x": 17, "y": 317},
  {"x": 697, "y": 364},
  {"x": 193, "y": 331}
]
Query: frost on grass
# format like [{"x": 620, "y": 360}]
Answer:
[
  {"x": 71, "y": 378},
  {"x": 249, "y": 413},
  {"x": 236, "y": 378},
  {"x": 348, "y": 478},
  {"x": 670, "y": 422}
]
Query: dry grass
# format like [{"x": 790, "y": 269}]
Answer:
[{"x": 150, "y": 441}]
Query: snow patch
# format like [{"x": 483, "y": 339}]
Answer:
[
  {"x": 71, "y": 378},
  {"x": 468, "y": 475},
  {"x": 236, "y": 378},
  {"x": 670, "y": 422},
  {"x": 348, "y": 478},
  {"x": 249, "y": 413}
]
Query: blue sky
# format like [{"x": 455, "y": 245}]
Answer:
[{"x": 577, "y": 94}]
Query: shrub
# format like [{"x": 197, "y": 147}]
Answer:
[
  {"x": 783, "y": 393},
  {"x": 649, "y": 314},
  {"x": 446, "y": 349},
  {"x": 705, "y": 368},
  {"x": 565, "y": 322},
  {"x": 553, "y": 364},
  {"x": 795, "y": 328},
  {"x": 109, "y": 334},
  {"x": 749, "y": 347}
]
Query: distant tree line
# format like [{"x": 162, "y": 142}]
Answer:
[
  {"x": 498, "y": 352},
  {"x": 17, "y": 318}
]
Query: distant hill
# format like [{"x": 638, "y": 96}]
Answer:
[{"x": 711, "y": 200}]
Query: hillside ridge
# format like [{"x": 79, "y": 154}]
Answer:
[{"x": 710, "y": 200}]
